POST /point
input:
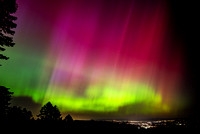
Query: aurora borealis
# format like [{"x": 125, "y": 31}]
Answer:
[{"x": 102, "y": 56}]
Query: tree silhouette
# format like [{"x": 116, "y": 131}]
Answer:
[
  {"x": 49, "y": 112},
  {"x": 68, "y": 119},
  {"x": 17, "y": 113},
  {"x": 7, "y": 8},
  {"x": 5, "y": 97}
]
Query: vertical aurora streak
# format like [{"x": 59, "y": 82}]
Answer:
[{"x": 99, "y": 56}]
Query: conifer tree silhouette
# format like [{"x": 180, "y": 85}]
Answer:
[
  {"x": 7, "y": 8},
  {"x": 49, "y": 112},
  {"x": 5, "y": 97}
]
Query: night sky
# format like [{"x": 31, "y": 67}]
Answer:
[{"x": 108, "y": 59}]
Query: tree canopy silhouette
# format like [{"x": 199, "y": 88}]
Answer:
[
  {"x": 7, "y": 8},
  {"x": 17, "y": 113},
  {"x": 49, "y": 112},
  {"x": 5, "y": 97}
]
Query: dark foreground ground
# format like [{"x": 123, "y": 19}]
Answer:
[{"x": 163, "y": 126}]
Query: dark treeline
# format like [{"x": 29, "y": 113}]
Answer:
[
  {"x": 47, "y": 113},
  {"x": 18, "y": 117}
]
